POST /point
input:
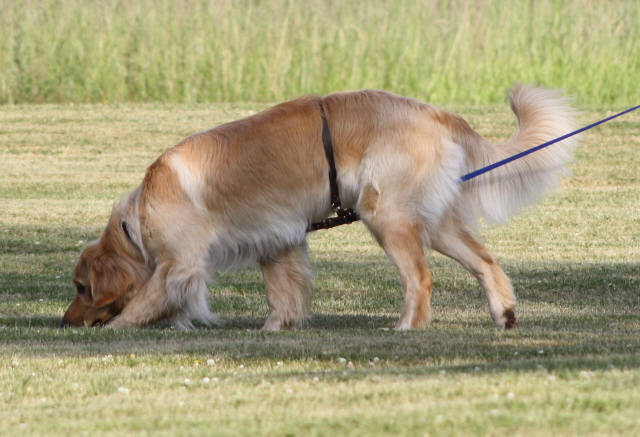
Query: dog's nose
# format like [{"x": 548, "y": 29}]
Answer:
[{"x": 64, "y": 323}]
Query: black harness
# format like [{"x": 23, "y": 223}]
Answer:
[{"x": 344, "y": 215}]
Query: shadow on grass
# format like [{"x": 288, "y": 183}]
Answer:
[
  {"x": 329, "y": 322},
  {"x": 573, "y": 317},
  {"x": 336, "y": 339}
]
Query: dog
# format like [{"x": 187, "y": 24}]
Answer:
[{"x": 246, "y": 191}]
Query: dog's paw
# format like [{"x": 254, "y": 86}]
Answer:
[
  {"x": 120, "y": 323},
  {"x": 510, "y": 321}
]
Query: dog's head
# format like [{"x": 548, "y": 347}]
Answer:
[{"x": 108, "y": 274}]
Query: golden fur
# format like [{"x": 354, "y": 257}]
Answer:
[{"x": 245, "y": 192}]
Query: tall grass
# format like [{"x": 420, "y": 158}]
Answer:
[{"x": 464, "y": 51}]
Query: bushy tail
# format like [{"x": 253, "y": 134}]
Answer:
[{"x": 542, "y": 116}]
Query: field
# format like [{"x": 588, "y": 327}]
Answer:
[
  {"x": 443, "y": 51},
  {"x": 571, "y": 368},
  {"x": 92, "y": 91}
]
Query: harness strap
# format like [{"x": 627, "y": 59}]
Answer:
[
  {"x": 345, "y": 215},
  {"x": 328, "y": 151}
]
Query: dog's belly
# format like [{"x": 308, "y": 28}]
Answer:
[{"x": 232, "y": 247}]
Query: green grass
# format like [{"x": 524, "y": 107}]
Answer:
[
  {"x": 571, "y": 368},
  {"x": 464, "y": 51}
]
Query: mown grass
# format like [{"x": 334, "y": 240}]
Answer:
[
  {"x": 571, "y": 368},
  {"x": 247, "y": 50}
]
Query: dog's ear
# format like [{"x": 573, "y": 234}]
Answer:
[{"x": 110, "y": 277}]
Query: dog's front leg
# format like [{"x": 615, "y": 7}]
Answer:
[
  {"x": 287, "y": 279},
  {"x": 147, "y": 306}
]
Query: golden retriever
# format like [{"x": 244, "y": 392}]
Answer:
[{"x": 246, "y": 191}]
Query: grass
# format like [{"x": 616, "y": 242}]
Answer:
[
  {"x": 571, "y": 368},
  {"x": 464, "y": 51}
]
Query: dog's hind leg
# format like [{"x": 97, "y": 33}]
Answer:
[
  {"x": 287, "y": 277},
  {"x": 455, "y": 242},
  {"x": 403, "y": 244}
]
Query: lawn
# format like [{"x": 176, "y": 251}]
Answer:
[{"x": 572, "y": 367}]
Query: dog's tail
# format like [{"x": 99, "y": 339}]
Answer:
[{"x": 542, "y": 116}]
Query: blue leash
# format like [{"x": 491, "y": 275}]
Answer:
[{"x": 541, "y": 146}]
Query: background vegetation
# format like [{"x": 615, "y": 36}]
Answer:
[
  {"x": 443, "y": 51},
  {"x": 571, "y": 368}
]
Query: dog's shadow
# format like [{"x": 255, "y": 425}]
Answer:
[
  {"x": 317, "y": 321},
  {"x": 239, "y": 323}
]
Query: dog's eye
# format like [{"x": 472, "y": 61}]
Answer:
[
  {"x": 125, "y": 228},
  {"x": 81, "y": 289}
]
